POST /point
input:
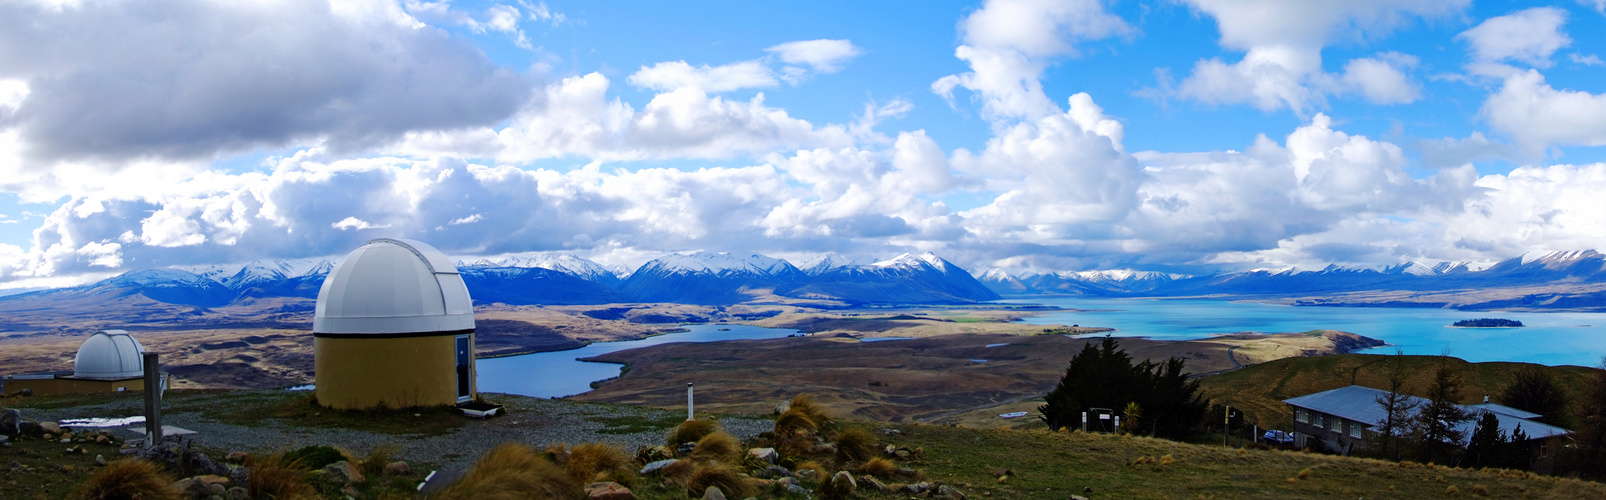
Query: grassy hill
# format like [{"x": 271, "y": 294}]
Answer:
[{"x": 1260, "y": 389}]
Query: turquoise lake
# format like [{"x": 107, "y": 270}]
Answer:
[
  {"x": 561, "y": 373},
  {"x": 1546, "y": 338}
]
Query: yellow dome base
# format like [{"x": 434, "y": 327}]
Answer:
[{"x": 388, "y": 372}]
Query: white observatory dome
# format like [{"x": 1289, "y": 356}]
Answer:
[
  {"x": 393, "y": 286},
  {"x": 111, "y": 354}
]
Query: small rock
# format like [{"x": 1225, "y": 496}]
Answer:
[
  {"x": 1078, "y": 497},
  {"x": 342, "y": 472},
  {"x": 10, "y": 422},
  {"x": 100, "y": 460},
  {"x": 766, "y": 455},
  {"x": 685, "y": 448},
  {"x": 797, "y": 490},
  {"x": 713, "y": 493},
  {"x": 609, "y": 490},
  {"x": 653, "y": 467},
  {"x": 806, "y": 473},
  {"x": 237, "y": 457},
  {"x": 192, "y": 488},
  {"x": 102, "y": 439},
  {"x": 1087, "y": 489},
  {"x": 398, "y": 468},
  {"x": 1001, "y": 472},
  {"x": 843, "y": 475},
  {"x": 889, "y": 432},
  {"x": 217, "y": 490},
  {"x": 50, "y": 427},
  {"x": 787, "y": 481},
  {"x": 945, "y": 492},
  {"x": 776, "y": 471},
  {"x": 66, "y": 440},
  {"x": 917, "y": 488},
  {"x": 212, "y": 479},
  {"x": 237, "y": 493},
  {"x": 874, "y": 484}
]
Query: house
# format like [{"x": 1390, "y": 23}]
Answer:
[
  {"x": 107, "y": 361},
  {"x": 1344, "y": 419}
]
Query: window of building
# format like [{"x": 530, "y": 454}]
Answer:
[
  {"x": 1301, "y": 416},
  {"x": 1316, "y": 419},
  {"x": 1354, "y": 429}
]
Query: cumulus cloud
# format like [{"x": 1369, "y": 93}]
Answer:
[
  {"x": 1529, "y": 36},
  {"x": 240, "y": 75},
  {"x": 1008, "y": 43},
  {"x": 1536, "y": 115},
  {"x": 668, "y": 76},
  {"x": 1452, "y": 152},
  {"x": 825, "y": 56},
  {"x": 1282, "y": 41}
]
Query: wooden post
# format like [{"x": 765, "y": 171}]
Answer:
[
  {"x": 153, "y": 399},
  {"x": 1226, "y": 424}
]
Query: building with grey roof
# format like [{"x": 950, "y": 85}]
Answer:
[{"x": 1343, "y": 419}]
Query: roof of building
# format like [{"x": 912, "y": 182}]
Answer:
[
  {"x": 393, "y": 286},
  {"x": 1360, "y": 404},
  {"x": 1506, "y": 410},
  {"x": 109, "y": 354}
]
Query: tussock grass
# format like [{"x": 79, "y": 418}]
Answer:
[
  {"x": 833, "y": 489},
  {"x": 805, "y": 405},
  {"x": 127, "y": 479},
  {"x": 719, "y": 447},
  {"x": 726, "y": 478},
  {"x": 855, "y": 444},
  {"x": 276, "y": 476},
  {"x": 793, "y": 423},
  {"x": 592, "y": 462},
  {"x": 879, "y": 467},
  {"x": 678, "y": 472},
  {"x": 691, "y": 431},
  {"x": 373, "y": 464},
  {"x": 513, "y": 471}
]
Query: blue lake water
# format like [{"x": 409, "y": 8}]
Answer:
[
  {"x": 1548, "y": 338},
  {"x": 561, "y": 373}
]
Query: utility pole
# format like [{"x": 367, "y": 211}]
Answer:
[{"x": 153, "y": 399}]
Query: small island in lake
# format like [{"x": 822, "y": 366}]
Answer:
[{"x": 1487, "y": 323}]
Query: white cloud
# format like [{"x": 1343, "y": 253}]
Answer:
[
  {"x": 674, "y": 75},
  {"x": 825, "y": 56},
  {"x": 1008, "y": 43},
  {"x": 1529, "y": 36},
  {"x": 1586, "y": 60},
  {"x": 1452, "y": 152},
  {"x": 351, "y": 223},
  {"x": 1536, "y": 115},
  {"x": 240, "y": 75},
  {"x": 1282, "y": 64}
]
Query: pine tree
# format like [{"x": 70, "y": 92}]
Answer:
[
  {"x": 1591, "y": 431},
  {"x": 1437, "y": 425},
  {"x": 1104, "y": 376},
  {"x": 1533, "y": 389},
  {"x": 1397, "y": 411},
  {"x": 1488, "y": 446}
]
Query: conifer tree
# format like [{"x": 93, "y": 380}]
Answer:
[
  {"x": 1438, "y": 423},
  {"x": 1398, "y": 408}
]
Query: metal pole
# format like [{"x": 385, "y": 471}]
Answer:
[
  {"x": 153, "y": 399},
  {"x": 1084, "y": 422},
  {"x": 1226, "y": 424},
  {"x": 688, "y": 402}
]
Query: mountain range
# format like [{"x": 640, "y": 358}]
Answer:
[{"x": 1557, "y": 280}]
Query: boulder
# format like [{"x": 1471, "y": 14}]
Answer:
[
  {"x": 200, "y": 463},
  {"x": 342, "y": 473},
  {"x": 28, "y": 427},
  {"x": 713, "y": 493},
  {"x": 237, "y": 457},
  {"x": 653, "y": 467},
  {"x": 10, "y": 422},
  {"x": 608, "y": 490},
  {"x": 237, "y": 493},
  {"x": 398, "y": 468},
  {"x": 50, "y": 427},
  {"x": 843, "y": 477},
  {"x": 217, "y": 490},
  {"x": 192, "y": 488},
  {"x": 945, "y": 492},
  {"x": 917, "y": 488},
  {"x": 100, "y": 460},
  {"x": 766, "y": 455}
]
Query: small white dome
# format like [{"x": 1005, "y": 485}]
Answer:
[
  {"x": 109, "y": 354},
  {"x": 393, "y": 286}
]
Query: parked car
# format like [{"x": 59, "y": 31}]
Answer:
[{"x": 1274, "y": 437}]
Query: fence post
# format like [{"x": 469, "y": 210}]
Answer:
[{"x": 153, "y": 399}]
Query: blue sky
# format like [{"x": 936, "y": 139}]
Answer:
[{"x": 1187, "y": 136}]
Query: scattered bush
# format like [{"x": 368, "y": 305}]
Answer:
[
  {"x": 726, "y": 478},
  {"x": 512, "y": 471},
  {"x": 691, "y": 431},
  {"x": 314, "y": 457},
  {"x": 1305, "y": 474},
  {"x": 373, "y": 465},
  {"x": 592, "y": 462},
  {"x": 678, "y": 472},
  {"x": 804, "y": 404},
  {"x": 719, "y": 447},
  {"x": 855, "y": 445},
  {"x": 123, "y": 479},
  {"x": 557, "y": 452},
  {"x": 832, "y": 488},
  {"x": 794, "y": 423},
  {"x": 277, "y": 476}
]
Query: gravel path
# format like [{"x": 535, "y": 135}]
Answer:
[{"x": 537, "y": 422}]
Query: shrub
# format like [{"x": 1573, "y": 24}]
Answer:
[
  {"x": 276, "y": 476},
  {"x": 592, "y": 462},
  {"x": 1305, "y": 473},
  {"x": 373, "y": 465},
  {"x": 855, "y": 445},
  {"x": 678, "y": 472},
  {"x": 729, "y": 481},
  {"x": 314, "y": 457},
  {"x": 795, "y": 422},
  {"x": 833, "y": 489},
  {"x": 719, "y": 447},
  {"x": 878, "y": 467},
  {"x": 819, "y": 470},
  {"x": 805, "y": 405},
  {"x": 132, "y": 478},
  {"x": 512, "y": 471},
  {"x": 691, "y": 431}
]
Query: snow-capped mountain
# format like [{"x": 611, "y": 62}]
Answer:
[
  {"x": 709, "y": 278},
  {"x": 907, "y": 278},
  {"x": 818, "y": 264},
  {"x": 570, "y": 264}
]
